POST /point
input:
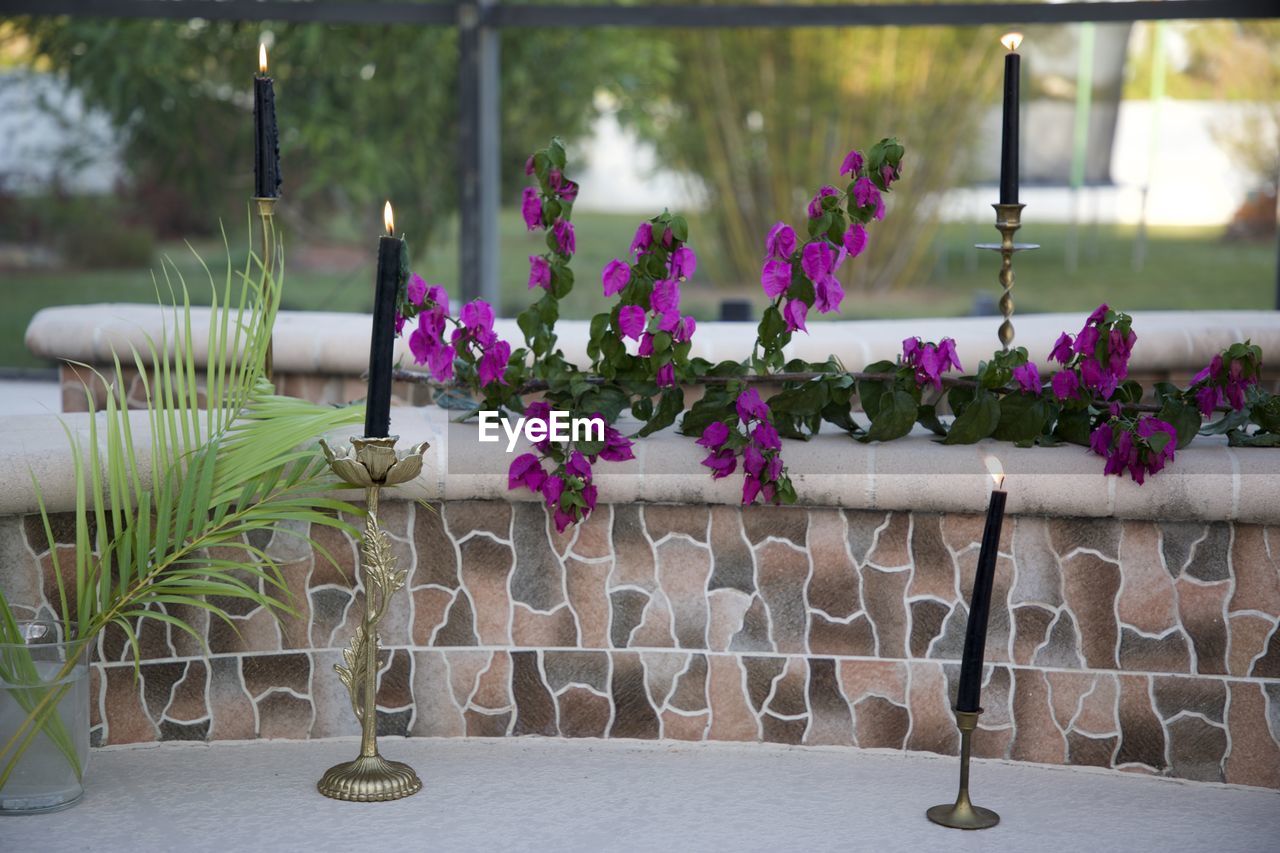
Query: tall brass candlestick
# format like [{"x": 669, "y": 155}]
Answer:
[
  {"x": 963, "y": 814},
  {"x": 1008, "y": 221},
  {"x": 266, "y": 213},
  {"x": 371, "y": 463},
  {"x": 266, "y": 180}
]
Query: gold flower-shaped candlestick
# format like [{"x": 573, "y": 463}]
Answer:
[
  {"x": 371, "y": 463},
  {"x": 1008, "y": 221}
]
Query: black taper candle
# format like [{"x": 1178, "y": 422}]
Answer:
[
  {"x": 377, "y": 416},
  {"x": 1009, "y": 129},
  {"x": 969, "y": 696},
  {"x": 266, "y": 134}
]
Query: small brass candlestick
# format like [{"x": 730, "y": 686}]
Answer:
[
  {"x": 1008, "y": 220},
  {"x": 963, "y": 814},
  {"x": 371, "y": 463},
  {"x": 267, "y": 212}
]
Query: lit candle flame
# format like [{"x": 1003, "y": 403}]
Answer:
[
  {"x": 997, "y": 472},
  {"x": 388, "y": 219},
  {"x": 262, "y": 57},
  {"x": 1011, "y": 41}
]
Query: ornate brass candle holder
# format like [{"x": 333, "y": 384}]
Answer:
[
  {"x": 1008, "y": 221},
  {"x": 963, "y": 814},
  {"x": 371, "y": 463},
  {"x": 266, "y": 213}
]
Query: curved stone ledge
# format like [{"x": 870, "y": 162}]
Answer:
[
  {"x": 337, "y": 344},
  {"x": 1208, "y": 482}
]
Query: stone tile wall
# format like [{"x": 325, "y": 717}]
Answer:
[{"x": 1141, "y": 646}]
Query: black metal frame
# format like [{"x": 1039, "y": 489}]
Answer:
[{"x": 478, "y": 55}]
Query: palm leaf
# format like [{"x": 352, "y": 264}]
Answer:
[{"x": 173, "y": 530}]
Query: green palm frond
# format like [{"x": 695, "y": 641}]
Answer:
[{"x": 228, "y": 457}]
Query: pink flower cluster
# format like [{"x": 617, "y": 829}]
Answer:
[
  {"x": 1141, "y": 449},
  {"x": 1223, "y": 381},
  {"x": 567, "y": 488},
  {"x": 930, "y": 360},
  {"x": 634, "y": 320},
  {"x": 1097, "y": 359},
  {"x": 820, "y": 259},
  {"x": 473, "y": 338},
  {"x": 761, "y": 452},
  {"x": 563, "y": 192}
]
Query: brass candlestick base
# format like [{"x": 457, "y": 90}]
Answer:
[
  {"x": 963, "y": 814},
  {"x": 1008, "y": 221},
  {"x": 267, "y": 212},
  {"x": 371, "y": 463}
]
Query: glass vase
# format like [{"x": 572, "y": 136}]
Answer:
[{"x": 44, "y": 719}]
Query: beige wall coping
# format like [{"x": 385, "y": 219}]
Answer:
[
  {"x": 337, "y": 343},
  {"x": 1208, "y": 481}
]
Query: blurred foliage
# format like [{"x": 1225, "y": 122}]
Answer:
[
  {"x": 85, "y": 231},
  {"x": 765, "y": 117},
  {"x": 1242, "y": 58},
  {"x": 366, "y": 113}
]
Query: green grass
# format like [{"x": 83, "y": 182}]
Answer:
[{"x": 1185, "y": 269}]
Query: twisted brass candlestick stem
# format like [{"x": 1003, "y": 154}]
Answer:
[
  {"x": 962, "y": 814},
  {"x": 371, "y": 463},
  {"x": 266, "y": 213},
  {"x": 1008, "y": 221}
]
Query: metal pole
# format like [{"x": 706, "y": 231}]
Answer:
[{"x": 478, "y": 158}]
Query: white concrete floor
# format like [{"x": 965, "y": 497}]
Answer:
[{"x": 535, "y": 794}]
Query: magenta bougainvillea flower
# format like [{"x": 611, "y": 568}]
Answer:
[
  {"x": 1227, "y": 379},
  {"x": 563, "y": 232},
  {"x": 531, "y": 209},
  {"x": 815, "y": 204},
  {"x": 750, "y": 407},
  {"x": 1028, "y": 377},
  {"x": 795, "y": 312},
  {"x": 775, "y": 278},
  {"x": 643, "y": 239},
  {"x": 666, "y": 376},
  {"x": 1065, "y": 385},
  {"x": 930, "y": 360},
  {"x": 855, "y": 239},
  {"x": 631, "y": 321},
  {"x": 683, "y": 263},
  {"x": 714, "y": 435},
  {"x": 615, "y": 276},
  {"x": 526, "y": 471},
  {"x": 852, "y": 163},
  {"x": 493, "y": 363},
  {"x": 1098, "y": 355},
  {"x": 684, "y": 329},
  {"x": 1062, "y": 350},
  {"x": 1140, "y": 447},
  {"x": 780, "y": 245},
  {"x": 539, "y": 272},
  {"x": 666, "y": 296}
]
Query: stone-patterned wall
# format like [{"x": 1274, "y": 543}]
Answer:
[{"x": 1146, "y": 647}]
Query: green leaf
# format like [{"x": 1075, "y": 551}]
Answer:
[
  {"x": 895, "y": 415},
  {"x": 978, "y": 420},
  {"x": 680, "y": 229},
  {"x": 670, "y": 405},
  {"x": 1261, "y": 439},
  {"x": 1023, "y": 418},
  {"x": 1184, "y": 418},
  {"x": 1074, "y": 426},
  {"x": 928, "y": 418}
]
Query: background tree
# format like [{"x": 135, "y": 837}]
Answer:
[
  {"x": 763, "y": 118},
  {"x": 365, "y": 112}
]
